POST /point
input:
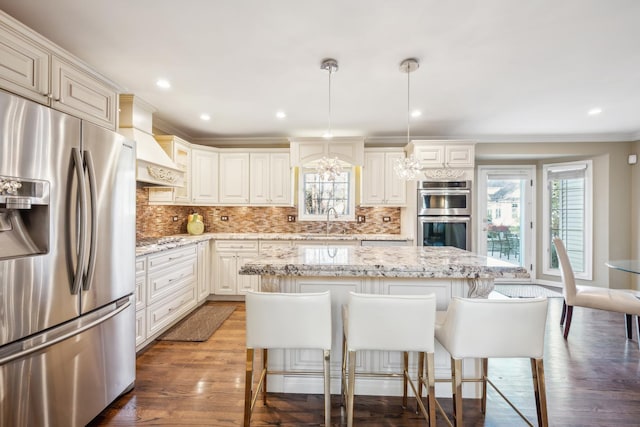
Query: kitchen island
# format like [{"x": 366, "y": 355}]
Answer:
[{"x": 406, "y": 270}]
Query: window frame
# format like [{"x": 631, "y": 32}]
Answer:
[
  {"x": 587, "y": 274},
  {"x": 351, "y": 201}
]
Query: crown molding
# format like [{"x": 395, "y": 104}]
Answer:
[{"x": 161, "y": 126}]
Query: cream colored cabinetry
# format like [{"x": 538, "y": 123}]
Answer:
[
  {"x": 82, "y": 95},
  {"x": 33, "y": 67},
  {"x": 204, "y": 267},
  {"x": 380, "y": 185},
  {"x": 141, "y": 300},
  {"x": 270, "y": 178},
  {"x": 204, "y": 176},
  {"x": 24, "y": 65},
  {"x": 230, "y": 255},
  {"x": 166, "y": 290},
  {"x": 234, "y": 178},
  {"x": 444, "y": 154},
  {"x": 179, "y": 151}
]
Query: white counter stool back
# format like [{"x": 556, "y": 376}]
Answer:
[
  {"x": 286, "y": 321},
  {"x": 500, "y": 328},
  {"x": 390, "y": 323}
]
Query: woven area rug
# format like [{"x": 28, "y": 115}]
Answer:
[
  {"x": 526, "y": 291},
  {"x": 200, "y": 324}
]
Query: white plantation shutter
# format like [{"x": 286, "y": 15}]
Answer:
[{"x": 567, "y": 210}]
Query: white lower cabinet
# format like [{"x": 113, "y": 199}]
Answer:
[
  {"x": 204, "y": 267},
  {"x": 167, "y": 286},
  {"x": 230, "y": 255}
]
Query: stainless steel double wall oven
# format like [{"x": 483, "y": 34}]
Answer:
[{"x": 444, "y": 213}]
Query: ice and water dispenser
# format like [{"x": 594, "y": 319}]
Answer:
[{"x": 24, "y": 217}]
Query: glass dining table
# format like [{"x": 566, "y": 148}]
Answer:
[{"x": 628, "y": 265}]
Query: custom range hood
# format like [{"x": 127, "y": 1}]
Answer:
[{"x": 153, "y": 165}]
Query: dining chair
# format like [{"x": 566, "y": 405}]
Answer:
[
  {"x": 494, "y": 328},
  {"x": 398, "y": 323},
  {"x": 286, "y": 321},
  {"x": 616, "y": 300}
]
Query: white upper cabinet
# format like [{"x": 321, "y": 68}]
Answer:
[
  {"x": 82, "y": 95},
  {"x": 380, "y": 185},
  {"x": 443, "y": 154},
  {"x": 204, "y": 176},
  {"x": 234, "y": 178},
  {"x": 270, "y": 178},
  {"x": 34, "y": 67},
  {"x": 24, "y": 66}
]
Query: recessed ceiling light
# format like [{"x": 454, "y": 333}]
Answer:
[
  {"x": 164, "y": 84},
  {"x": 281, "y": 114},
  {"x": 205, "y": 117},
  {"x": 416, "y": 113},
  {"x": 594, "y": 111}
]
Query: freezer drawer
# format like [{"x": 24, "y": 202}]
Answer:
[{"x": 71, "y": 382}]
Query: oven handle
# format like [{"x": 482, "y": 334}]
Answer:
[
  {"x": 439, "y": 218},
  {"x": 444, "y": 191}
]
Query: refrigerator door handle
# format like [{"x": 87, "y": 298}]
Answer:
[
  {"x": 67, "y": 335},
  {"x": 82, "y": 194},
  {"x": 94, "y": 220}
]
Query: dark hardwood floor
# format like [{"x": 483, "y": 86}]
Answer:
[{"x": 593, "y": 379}]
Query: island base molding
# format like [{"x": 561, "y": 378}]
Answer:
[{"x": 369, "y": 361}]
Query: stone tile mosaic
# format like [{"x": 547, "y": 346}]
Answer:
[{"x": 157, "y": 220}]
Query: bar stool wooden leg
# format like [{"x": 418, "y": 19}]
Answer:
[
  {"x": 539, "y": 388},
  {"x": 457, "y": 390},
  {"x": 350, "y": 387},
  {"x": 420, "y": 377},
  {"x": 248, "y": 384},
  {"x": 564, "y": 312},
  {"x": 431, "y": 378},
  {"x": 405, "y": 374},
  {"x": 629, "y": 324},
  {"x": 343, "y": 382},
  {"x": 265, "y": 361},
  {"x": 484, "y": 374},
  {"x": 327, "y": 388}
]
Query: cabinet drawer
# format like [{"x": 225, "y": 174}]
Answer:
[
  {"x": 141, "y": 327},
  {"x": 170, "y": 257},
  {"x": 266, "y": 245},
  {"x": 237, "y": 245},
  {"x": 141, "y": 295},
  {"x": 169, "y": 309},
  {"x": 141, "y": 265},
  {"x": 163, "y": 282}
]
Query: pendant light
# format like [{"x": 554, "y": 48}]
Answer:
[
  {"x": 329, "y": 169},
  {"x": 408, "y": 168}
]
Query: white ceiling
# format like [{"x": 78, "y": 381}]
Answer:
[{"x": 490, "y": 70}]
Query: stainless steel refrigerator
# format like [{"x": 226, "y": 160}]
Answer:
[{"x": 67, "y": 266}]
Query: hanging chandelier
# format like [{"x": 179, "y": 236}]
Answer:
[
  {"x": 329, "y": 169},
  {"x": 408, "y": 168}
]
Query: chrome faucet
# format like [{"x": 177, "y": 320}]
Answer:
[{"x": 335, "y": 215}]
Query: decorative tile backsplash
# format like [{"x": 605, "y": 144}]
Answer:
[{"x": 156, "y": 221}]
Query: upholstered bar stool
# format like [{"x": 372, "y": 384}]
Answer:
[
  {"x": 500, "y": 328},
  {"x": 402, "y": 323},
  {"x": 286, "y": 321}
]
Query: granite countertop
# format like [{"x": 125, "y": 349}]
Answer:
[
  {"x": 374, "y": 261},
  {"x": 187, "y": 239}
]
